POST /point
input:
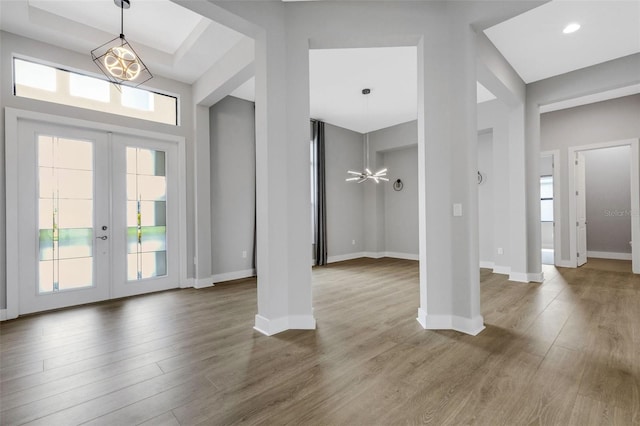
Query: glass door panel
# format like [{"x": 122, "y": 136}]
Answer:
[
  {"x": 65, "y": 214},
  {"x": 146, "y": 214}
]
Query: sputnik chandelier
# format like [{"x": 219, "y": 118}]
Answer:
[
  {"x": 118, "y": 60},
  {"x": 367, "y": 174}
]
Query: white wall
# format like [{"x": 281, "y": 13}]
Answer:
[
  {"x": 401, "y": 207},
  {"x": 485, "y": 199},
  {"x": 608, "y": 201},
  {"x": 606, "y": 121},
  {"x": 345, "y": 200},
  {"x": 12, "y": 44},
  {"x": 232, "y": 128}
]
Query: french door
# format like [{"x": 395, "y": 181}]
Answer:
[{"x": 98, "y": 216}]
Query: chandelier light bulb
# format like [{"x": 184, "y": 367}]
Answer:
[{"x": 122, "y": 63}]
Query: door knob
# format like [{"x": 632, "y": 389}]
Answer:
[{"x": 103, "y": 237}]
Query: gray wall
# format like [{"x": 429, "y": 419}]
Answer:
[
  {"x": 345, "y": 200},
  {"x": 13, "y": 44},
  {"x": 401, "y": 207},
  {"x": 611, "y": 120},
  {"x": 485, "y": 196},
  {"x": 608, "y": 199},
  {"x": 232, "y": 130}
]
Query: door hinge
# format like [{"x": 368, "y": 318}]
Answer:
[
  {"x": 576, "y": 162},
  {"x": 577, "y": 223},
  {"x": 578, "y": 254},
  {"x": 576, "y": 193}
]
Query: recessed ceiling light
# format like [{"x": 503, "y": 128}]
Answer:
[{"x": 571, "y": 28}]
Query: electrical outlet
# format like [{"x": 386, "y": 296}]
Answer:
[
  {"x": 353, "y": 242},
  {"x": 244, "y": 254},
  {"x": 500, "y": 251}
]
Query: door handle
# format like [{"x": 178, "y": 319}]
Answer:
[{"x": 103, "y": 237}]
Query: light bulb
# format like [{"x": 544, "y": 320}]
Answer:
[
  {"x": 571, "y": 28},
  {"x": 122, "y": 63}
]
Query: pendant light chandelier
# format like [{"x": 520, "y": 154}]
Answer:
[
  {"x": 365, "y": 175},
  {"x": 118, "y": 60}
]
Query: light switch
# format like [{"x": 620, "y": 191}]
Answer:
[{"x": 457, "y": 209}]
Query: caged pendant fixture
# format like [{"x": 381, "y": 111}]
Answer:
[
  {"x": 365, "y": 175},
  {"x": 117, "y": 59}
]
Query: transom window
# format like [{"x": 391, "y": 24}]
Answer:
[{"x": 51, "y": 84}]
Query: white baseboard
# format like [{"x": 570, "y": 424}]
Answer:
[
  {"x": 486, "y": 264},
  {"x": 565, "y": 264},
  {"x": 405, "y": 256},
  {"x": 505, "y": 270},
  {"x": 187, "y": 283},
  {"x": 535, "y": 277},
  {"x": 229, "y": 276},
  {"x": 609, "y": 255},
  {"x": 343, "y": 257},
  {"x": 471, "y": 326},
  {"x": 521, "y": 277},
  {"x": 3, "y": 314},
  {"x": 203, "y": 282},
  {"x": 297, "y": 322},
  {"x": 372, "y": 255}
]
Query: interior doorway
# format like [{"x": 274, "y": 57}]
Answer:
[
  {"x": 548, "y": 207},
  {"x": 608, "y": 226}
]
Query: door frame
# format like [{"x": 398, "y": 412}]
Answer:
[
  {"x": 12, "y": 118},
  {"x": 557, "y": 210},
  {"x": 635, "y": 197}
]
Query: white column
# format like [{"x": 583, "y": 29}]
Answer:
[
  {"x": 282, "y": 187},
  {"x": 447, "y": 173},
  {"x": 202, "y": 179}
]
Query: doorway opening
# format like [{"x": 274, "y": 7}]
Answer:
[{"x": 604, "y": 202}]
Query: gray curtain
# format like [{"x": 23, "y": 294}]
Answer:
[{"x": 321, "y": 199}]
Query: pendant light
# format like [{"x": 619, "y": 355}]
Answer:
[
  {"x": 365, "y": 175},
  {"x": 117, "y": 59}
]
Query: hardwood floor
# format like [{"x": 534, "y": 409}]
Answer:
[{"x": 565, "y": 352}]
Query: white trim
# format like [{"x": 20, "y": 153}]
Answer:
[
  {"x": 3, "y": 315},
  {"x": 187, "y": 283},
  {"x": 348, "y": 256},
  {"x": 373, "y": 254},
  {"x": 521, "y": 277},
  {"x": 199, "y": 283},
  {"x": 486, "y": 264},
  {"x": 229, "y": 276},
  {"x": 609, "y": 255},
  {"x": 535, "y": 277},
  {"x": 12, "y": 117},
  {"x": 296, "y": 322},
  {"x": 397, "y": 255},
  {"x": 471, "y": 326},
  {"x": 565, "y": 264},
  {"x": 504, "y": 270},
  {"x": 635, "y": 196}
]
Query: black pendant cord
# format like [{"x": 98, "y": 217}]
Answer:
[{"x": 122, "y": 19}]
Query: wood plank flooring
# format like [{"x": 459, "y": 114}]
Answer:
[{"x": 565, "y": 352}]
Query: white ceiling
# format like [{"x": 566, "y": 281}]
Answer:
[
  {"x": 535, "y": 46},
  {"x": 170, "y": 39},
  {"x": 179, "y": 44}
]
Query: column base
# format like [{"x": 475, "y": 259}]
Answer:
[
  {"x": 471, "y": 326},
  {"x": 292, "y": 322}
]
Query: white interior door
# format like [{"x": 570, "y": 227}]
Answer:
[
  {"x": 98, "y": 216},
  {"x": 581, "y": 210}
]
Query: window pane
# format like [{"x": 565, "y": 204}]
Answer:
[
  {"x": 88, "y": 87},
  {"x": 546, "y": 187},
  {"x": 34, "y": 75},
  {"x": 546, "y": 210},
  {"x": 136, "y": 98}
]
